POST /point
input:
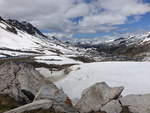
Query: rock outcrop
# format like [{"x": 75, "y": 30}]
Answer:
[
  {"x": 20, "y": 81},
  {"x": 95, "y": 97},
  {"x": 25, "y": 26},
  {"x": 100, "y": 98}
]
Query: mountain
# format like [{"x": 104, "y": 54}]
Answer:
[
  {"x": 134, "y": 47},
  {"x": 18, "y": 43},
  {"x": 22, "y": 38},
  {"x": 25, "y": 26}
]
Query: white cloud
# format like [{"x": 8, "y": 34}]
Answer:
[
  {"x": 114, "y": 12},
  {"x": 60, "y": 35},
  {"x": 78, "y": 10},
  {"x": 98, "y": 16}
]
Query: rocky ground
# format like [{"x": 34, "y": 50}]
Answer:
[{"x": 24, "y": 90}]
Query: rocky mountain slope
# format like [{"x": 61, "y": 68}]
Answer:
[
  {"x": 21, "y": 38},
  {"x": 133, "y": 47},
  {"x": 23, "y": 41}
]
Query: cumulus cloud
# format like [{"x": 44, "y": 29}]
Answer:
[
  {"x": 78, "y": 10},
  {"x": 62, "y": 15}
]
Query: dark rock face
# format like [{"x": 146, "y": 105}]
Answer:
[
  {"x": 11, "y": 29},
  {"x": 1, "y": 18},
  {"x": 28, "y": 94},
  {"x": 24, "y": 26}
]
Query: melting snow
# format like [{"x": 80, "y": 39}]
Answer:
[{"x": 134, "y": 76}]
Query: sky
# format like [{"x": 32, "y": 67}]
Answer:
[{"x": 80, "y": 18}]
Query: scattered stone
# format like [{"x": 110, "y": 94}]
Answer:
[{"x": 97, "y": 96}]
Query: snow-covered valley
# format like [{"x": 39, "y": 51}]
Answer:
[{"x": 134, "y": 76}]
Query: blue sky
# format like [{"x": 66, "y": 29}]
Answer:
[
  {"x": 141, "y": 25},
  {"x": 81, "y": 18},
  {"x": 134, "y": 23}
]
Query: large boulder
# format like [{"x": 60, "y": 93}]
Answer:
[
  {"x": 137, "y": 103},
  {"x": 20, "y": 81},
  {"x": 96, "y": 96},
  {"x": 61, "y": 102},
  {"x": 51, "y": 92}
]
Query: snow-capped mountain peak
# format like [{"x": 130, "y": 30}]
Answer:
[
  {"x": 25, "y": 26},
  {"x": 22, "y": 38}
]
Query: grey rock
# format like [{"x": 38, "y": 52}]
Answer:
[
  {"x": 137, "y": 103},
  {"x": 20, "y": 81},
  {"x": 64, "y": 108},
  {"x": 112, "y": 107},
  {"x": 97, "y": 96},
  {"x": 48, "y": 105},
  {"x": 51, "y": 92},
  {"x": 41, "y": 104},
  {"x": 61, "y": 102}
]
